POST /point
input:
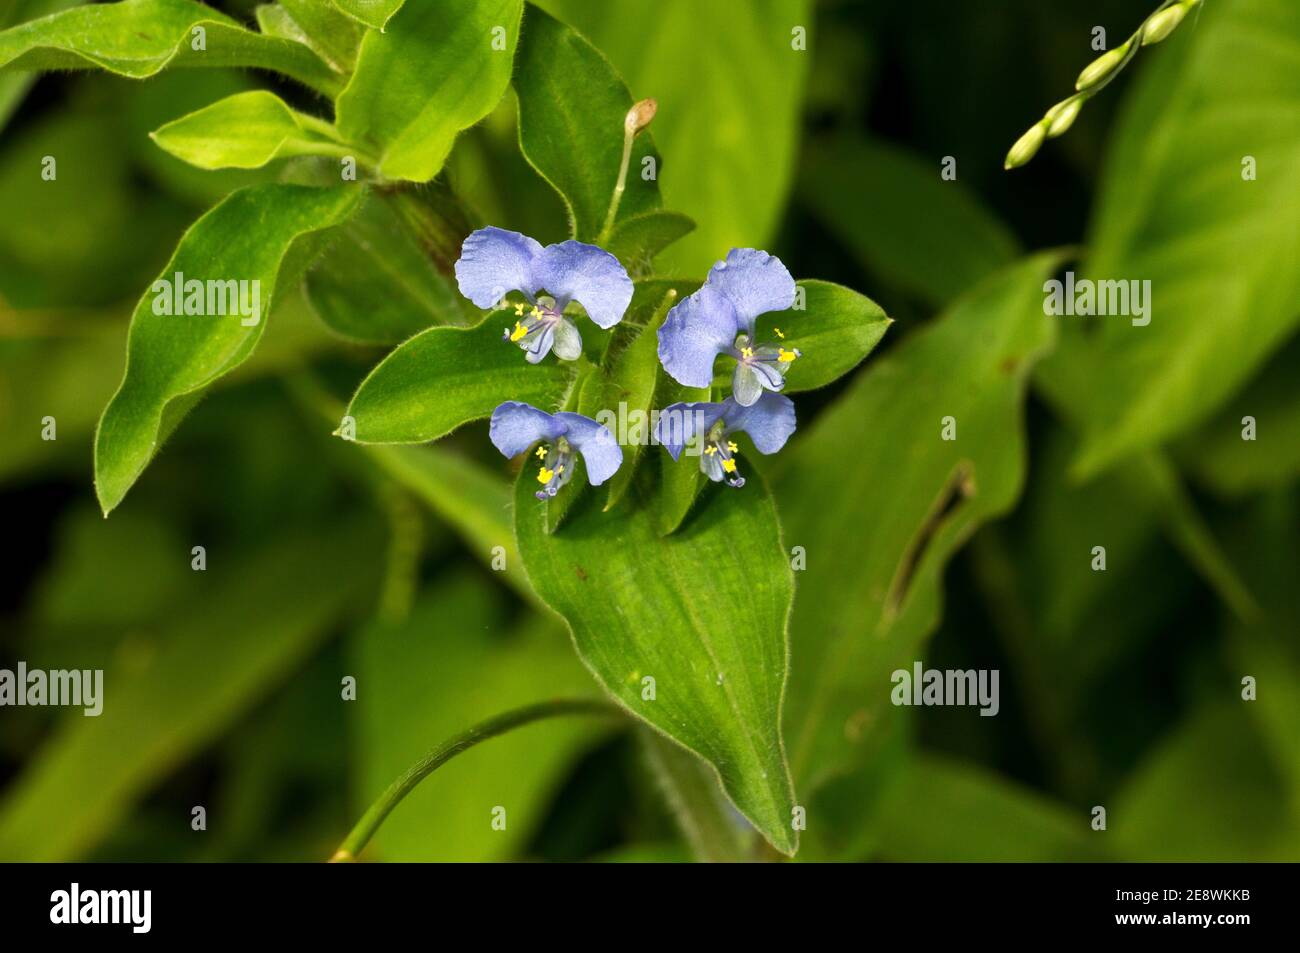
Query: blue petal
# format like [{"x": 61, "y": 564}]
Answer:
[
  {"x": 494, "y": 261},
  {"x": 679, "y": 423},
  {"x": 754, "y": 282},
  {"x": 769, "y": 422},
  {"x": 600, "y": 451},
  {"x": 517, "y": 426},
  {"x": 574, "y": 271},
  {"x": 695, "y": 332}
]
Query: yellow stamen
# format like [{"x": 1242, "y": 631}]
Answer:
[
  {"x": 519, "y": 309},
  {"x": 536, "y": 312},
  {"x": 541, "y": 453},
  {"x": 746, "y": 352},
  {"x": 560, "y": 468},
  {"x": 732, "y": 447},
  {"x": 518, "y": 332},
  {"x": 544, "y": 475},
  {"x": 784, "y": 356},
  {"x": 729, "y": 466},
  {"x": 710, "y": 449},
  {"x": 779, "y": 333}
]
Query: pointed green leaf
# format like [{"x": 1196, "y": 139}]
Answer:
[
  {"x": 703, "y": 613},
  {"x": 373, "y": 13},
  {"x": 834, "y": 331},
  {"x": 572, "y": 106},
  {"x": 870, "y": 592},
  {"x": 246, "y": 131},
  {"x": 436, "y": 70},
  {"x": 445, "y": 377},
  {"x": 1201, "y": 202},
  {"x": 138, "y": 38},
  {"x": 173, "y": 356}
]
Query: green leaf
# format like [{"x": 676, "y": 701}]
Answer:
[
  {"x": 14, "y": 86},
  {"x": 261, "y": 617},
  {"x": 637, "y": 239},
  {"x": 729, "y": 82},
  {"x": 834, "y": 331},
  {"x": 901, "y": 220},
  {"x": 376, "y": 284},
  {"x": 246, "y": 131},
  {"x": 870, "y": 593},
  {"x": 572, "y": 106},
  {"x": 445, "y": 377},
  {"x": 373, "y": 13},
  {"x": 702, "y": 612},
  {"x": 434, "y": 72},
  {"x": 423, "y": 690},
  {"x": 1221, "y": 253},
  {"x": 334, "y": 37},
  {"x": 169, "y": 357},
  {"x": 138, "y": 38}
]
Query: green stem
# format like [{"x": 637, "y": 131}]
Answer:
[
  {"x": 629, "y": 134},
  {"x": 370, "y": 821}
]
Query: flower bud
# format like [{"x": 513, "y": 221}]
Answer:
[
  {"x": 639, "y": 116},
  {"x": 1163, "y": 23},
  {"x": 1101, "y": 67},
  {"x": 1061, "y": 116},
  {"x": 1026, "y": 146}
]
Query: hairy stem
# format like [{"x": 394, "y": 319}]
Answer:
[{"x": 370, "y": 821}]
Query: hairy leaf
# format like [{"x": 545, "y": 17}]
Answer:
[
  {"x": 335, "y": 38},
  {"x": 445, "y": 377},
  {"x": 572, "y": 106},
  {"x": 702, "y": 613},
  {"x": 373, "y": 13},
  {"x": 434, "y": 71},
  {"x": 172, "y": 357},
  {"x": 138, "y": 38},
  {"x": 246, "y": 131}
]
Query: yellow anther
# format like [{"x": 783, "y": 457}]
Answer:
[
  {"x": 519, "y": 309},
  {"x": 535, "y": 313},
  {"x": 729, "y": 466},
  {"x": 518, "y": 332},
  {"x": 732, "y": 446},
  {"x": 779, "y": 333},
  {"x": 544, "y": 475},
  {"x": 541, "y": 453},
  {"x": 747, "y": 352},
  {"x": 784, "y": 356},
  {"x": 711, "y": 449},
  {"x": 560, "y": 468}
]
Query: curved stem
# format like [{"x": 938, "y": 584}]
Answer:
[{"x": 370, "y": 821}]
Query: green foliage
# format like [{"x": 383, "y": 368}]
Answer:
[
  {"x": 1177, "y": 209},
  {"x": 138, "y": 38},
  {"x": 433, "y": 71},
  {"x": 246, "y": 131},
  {"x": 172, "y": 357},
  {"x": 702, "y": 613}
]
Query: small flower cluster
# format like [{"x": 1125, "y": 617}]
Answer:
[{"x": 720, "y": 318}]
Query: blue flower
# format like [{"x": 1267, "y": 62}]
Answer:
[
  {"x": 494, "y": 262},
  {"x": 719, "y": 319},
  {"x": 517, "y": 426},
  {"x": 769, "y": 421}
]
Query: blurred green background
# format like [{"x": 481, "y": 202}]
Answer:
[{"x": 324, "y": 560}]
